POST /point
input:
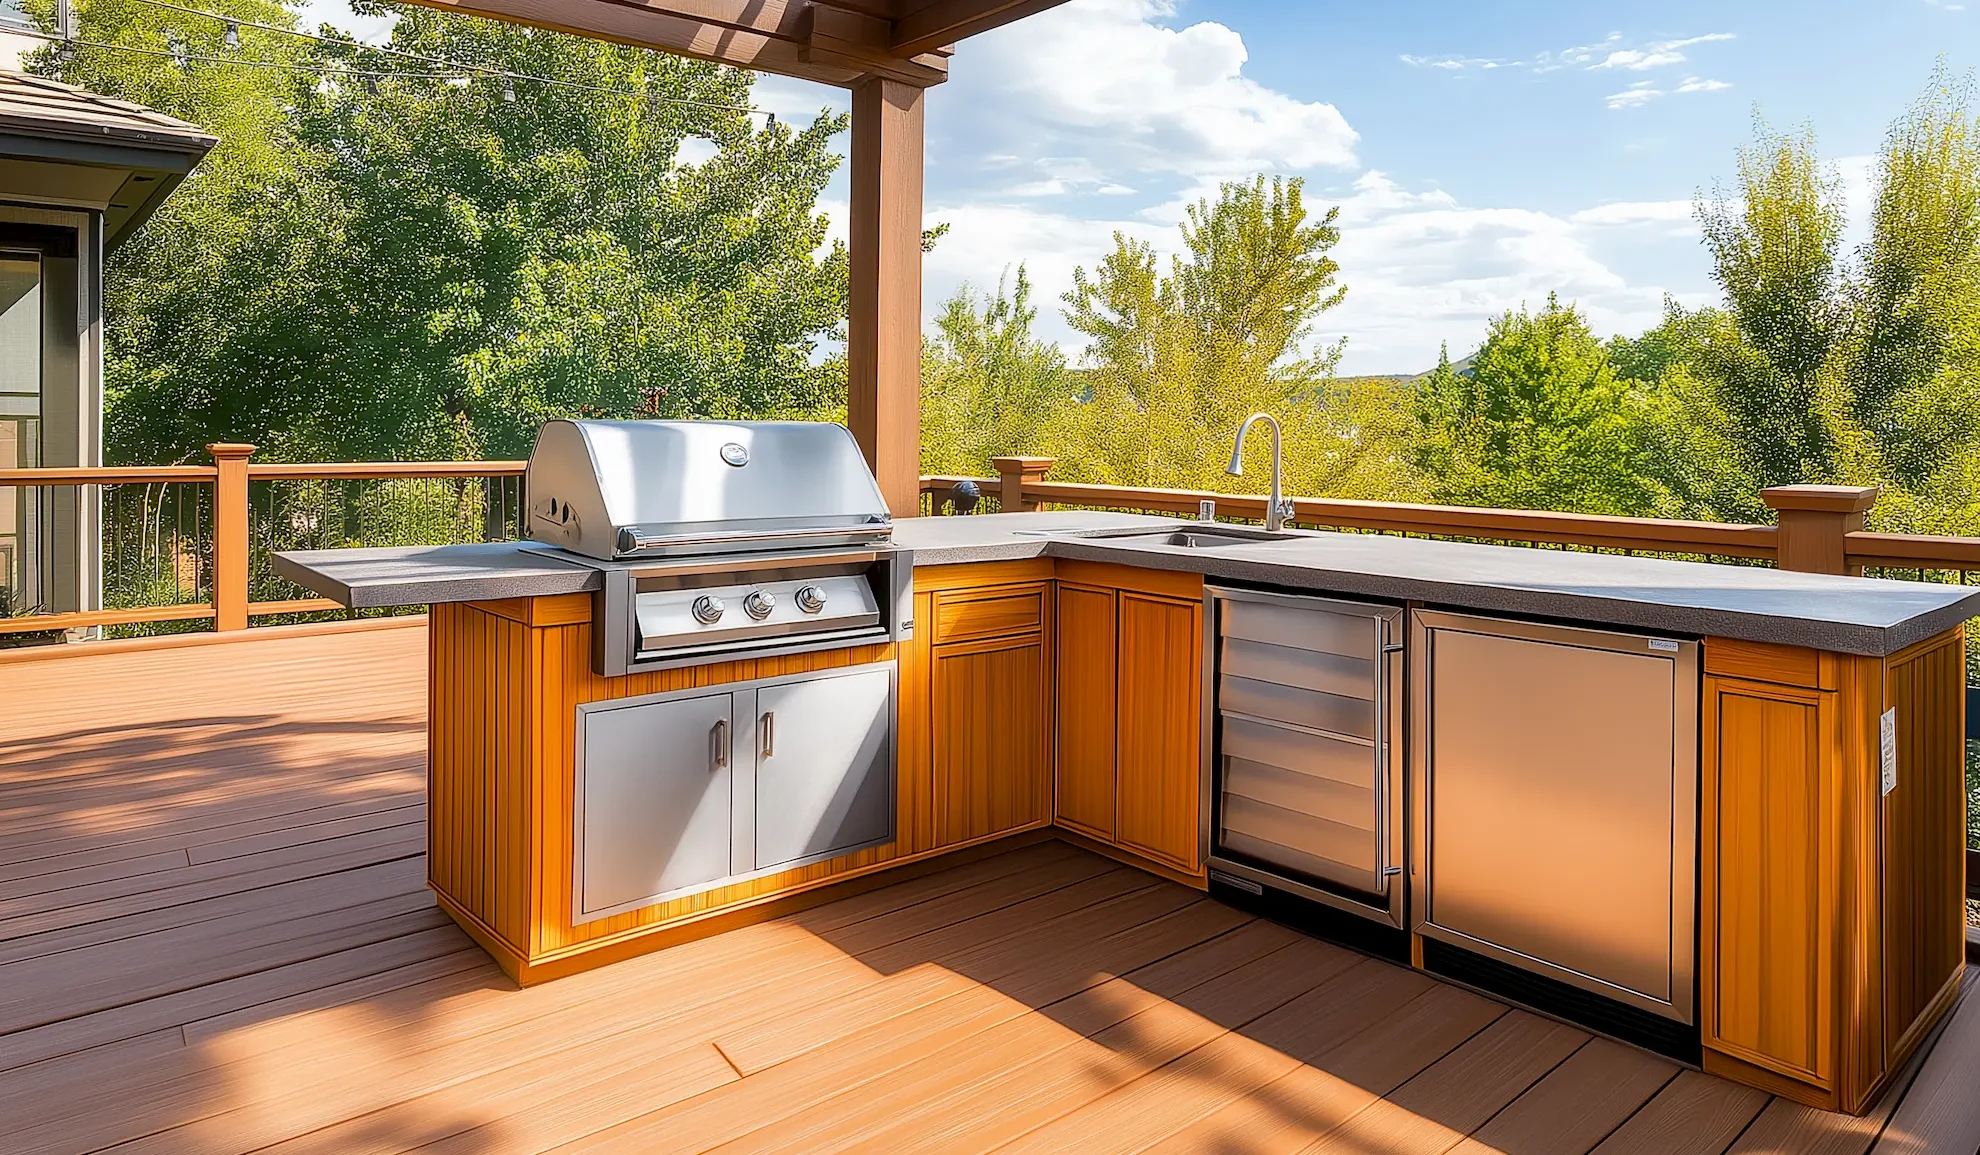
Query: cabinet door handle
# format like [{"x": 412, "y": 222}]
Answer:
[
  {"x": 720, "y": 735},
  {"x": 769, "y": 728}
]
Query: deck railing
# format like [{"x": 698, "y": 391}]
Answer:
[
  {"x": 1819, "y": 528},
  {"x": 183, "y": 547}
]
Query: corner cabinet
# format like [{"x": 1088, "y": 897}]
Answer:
[
  {"x": 1130, "y": 704},
  {"x": 977, "y": 747},
  {"x": 1831, "y": 863}
]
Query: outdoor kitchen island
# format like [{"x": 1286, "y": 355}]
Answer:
[{"x": 1063, "y": 679}]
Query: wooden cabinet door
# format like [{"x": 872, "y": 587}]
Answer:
[
  {"x": 1160, "y": 652},
  {"x": 1769, "y": 870},
  {"x": 990, "y": 760},
  {"x": 1084, "y": 798}
]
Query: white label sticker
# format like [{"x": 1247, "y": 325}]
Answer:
[
  {"x": 1887, "y": 747},
  {"x": 1663, "y": 645}
]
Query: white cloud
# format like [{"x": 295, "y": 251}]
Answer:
[
  {"x": 1695, "y": 84},
  {"x": 1456, "y": 63},
  {"x": 1946, "y": 5},
  {"x": 1422, "y": 269},
  {"x": 1627, "y": 213},
  {"x": 1659, "y": 54},
  {"x": 695, "y": 150},
  {"x": 1635, "y": 96},
  {"x": 1612, "y": 52},
  {"x": 1157, "y": 100}
]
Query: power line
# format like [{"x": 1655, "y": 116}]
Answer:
[
  {"x": 456, "y": 70},
  {"x": 235, "y": 22},
  {"x": 180, "y": 56}
]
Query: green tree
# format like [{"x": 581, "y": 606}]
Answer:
[
  {"x": 988, "y": 385},
  {"x": 1176, "y": 359},
  {"x": 402, "y": 266},
  {"x": 1539, "y": 420},
  {"x": 1822, "y": 368}
]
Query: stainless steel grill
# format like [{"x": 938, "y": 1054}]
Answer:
[{"x": 720, "y": 539}]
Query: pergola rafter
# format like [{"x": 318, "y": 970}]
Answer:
[{"x": 887, "y": 52}]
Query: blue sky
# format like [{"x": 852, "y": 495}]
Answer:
[{"x": 1483, "y": 154}]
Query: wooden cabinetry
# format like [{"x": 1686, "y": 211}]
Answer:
[
  {"x": 1084, "y": 798},
  {"x": 1129, "y": 672},
  {"x": 1160, "y": 763},
  {"x": 988, "y": 730},
  {"x": 1830, "y": 936},
  {"x": 511, "y": 689}
]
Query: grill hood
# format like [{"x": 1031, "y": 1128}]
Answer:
[{"x": 632, "y": 489}]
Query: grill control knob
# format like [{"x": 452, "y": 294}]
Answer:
[
  {"x": 810, "y": 599},
  {"x": 708, "y": 609},
  {"x": 758, "y": 604}
]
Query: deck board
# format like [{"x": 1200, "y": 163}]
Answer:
[{"x": 215, "y": 937}]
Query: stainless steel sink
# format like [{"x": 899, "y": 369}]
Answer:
[{"x": 1203, "y": 536}]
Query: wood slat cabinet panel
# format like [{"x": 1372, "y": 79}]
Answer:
[
  {"x": 1831, "y": 920},
  {"x": 1160, "y": 651},
  {"x": 1924, "y": 840},
  {"x": 1769, "y": 941},
  {"x": 991, "y": 758},
  {"x": 1087, "y": 704}
]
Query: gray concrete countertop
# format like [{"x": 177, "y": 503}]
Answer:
[
  {"x": 1754, "y": 603},
  {"x": 1849, "y": 615}
]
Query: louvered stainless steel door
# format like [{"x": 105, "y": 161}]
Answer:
[{"x": 1308, "y": 771}]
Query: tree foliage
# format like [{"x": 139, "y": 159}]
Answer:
[
  {"x": 386, "y": 266},
  {"x": 1540, "y": 420},
  {"x": 1175, "y": 358},
  {"x": 1858, "y": 368}
]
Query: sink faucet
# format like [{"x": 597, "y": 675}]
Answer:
[{"x": 1278, "y": 508}]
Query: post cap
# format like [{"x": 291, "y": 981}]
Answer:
[
  {"x": 1022, "y": 464},
  {"x": 227, "y": 450},
  {"x": 1821, "y": 498}
]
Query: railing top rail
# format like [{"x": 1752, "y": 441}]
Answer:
[
  {"x": 1643, "y": 534},
  {"x": 107, "y": 475},
  {"x": 1912, "y": 550},
  {"x": 381, "y": 470}
]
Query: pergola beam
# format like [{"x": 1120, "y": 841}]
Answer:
[
  {"x": 837, "y": 42},
  {"x": 655, "y": 26},
  {"x": 934, "y": 23}
]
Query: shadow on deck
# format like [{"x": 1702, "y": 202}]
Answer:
[{"x": 215, "y": 936}]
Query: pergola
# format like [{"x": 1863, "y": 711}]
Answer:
[{"x": 887, "y": 52}]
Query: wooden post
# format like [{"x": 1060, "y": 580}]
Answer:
[
  {"x": 231, "y": 530},
  {"x": 1015, "y": 472},
  {"x": 883, "y": 315},
  {"x": 1812, "y": 520}
]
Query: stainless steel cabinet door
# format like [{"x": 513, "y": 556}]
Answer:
[
  {"x": 1557, "y": 779},
  {"x": 824, "y": 766},
  {"x": 653, "y": 801}
]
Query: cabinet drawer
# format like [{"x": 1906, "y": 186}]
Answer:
[{"x": 963, "y": 615}]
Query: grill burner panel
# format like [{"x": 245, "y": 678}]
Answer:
[{"x": 667, "y": 619}]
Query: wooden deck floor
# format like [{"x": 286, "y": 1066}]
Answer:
[{"x": 214, "y": 938}]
